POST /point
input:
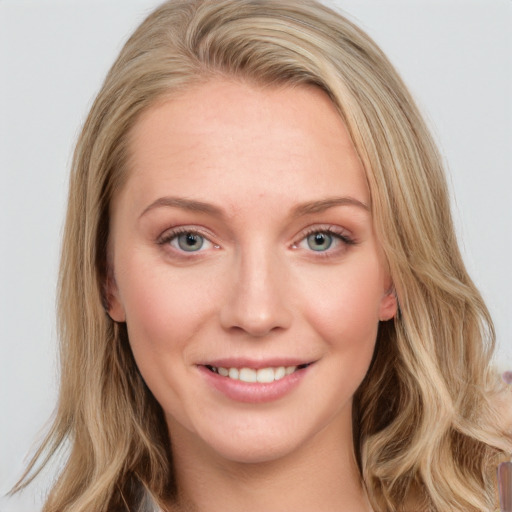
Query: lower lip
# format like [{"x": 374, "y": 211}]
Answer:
[{"x": 254, "y": 392}]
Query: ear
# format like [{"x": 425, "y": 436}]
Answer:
[
  {"x": 113, "y": 305},
  {"x": 388, "y": 305}
]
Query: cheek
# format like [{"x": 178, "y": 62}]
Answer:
[
  {"x": 345, "y": 311},
  {"x": 345, "y": 315},
  {"x": 164, "y": 312},
  {"x": 164, "y": 307}
]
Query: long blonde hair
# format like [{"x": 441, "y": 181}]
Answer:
[{"x": 424, "y": 420}]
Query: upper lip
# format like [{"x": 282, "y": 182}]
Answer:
[{"x": 241, "y": 362}]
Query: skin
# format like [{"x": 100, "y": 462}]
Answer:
[{"x": 256, "y": 289}]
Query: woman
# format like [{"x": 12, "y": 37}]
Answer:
[{"x": 263, "y": 306}]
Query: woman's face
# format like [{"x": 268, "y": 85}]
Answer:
[{"x": 246, "y": 268}]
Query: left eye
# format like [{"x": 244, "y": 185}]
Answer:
[
  {"x": 320, "y": 241},
  {"x": 324, "y": 241}
]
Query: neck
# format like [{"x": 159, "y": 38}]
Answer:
[{"x": 321, "y": 476}]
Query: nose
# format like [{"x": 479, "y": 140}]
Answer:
[{"x": 256, "y": 303}]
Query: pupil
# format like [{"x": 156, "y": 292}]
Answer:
[
  {"x": 319, "y": 239},
  {"x": 191, "y": 239}
]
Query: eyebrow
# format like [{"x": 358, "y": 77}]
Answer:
[
  {"x": 300, "y": 210},
  {"x": 185, "y": 204},
  {"x": 324, "y": 204}
]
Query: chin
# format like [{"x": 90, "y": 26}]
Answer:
[
  {"x": 253, "y": 440},
  {"x": 256, "y": 449}
]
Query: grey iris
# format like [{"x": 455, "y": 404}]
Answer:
[
  {"x": 190, "y": 242},
  {"x": 319, "y": 241}
]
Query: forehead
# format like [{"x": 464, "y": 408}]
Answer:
[{"x": 234, "y": 139}]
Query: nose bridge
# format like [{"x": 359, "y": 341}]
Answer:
[{"x": 257, "y": 303}]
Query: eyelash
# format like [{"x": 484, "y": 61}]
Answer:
[{"x": 337, "y": 233}]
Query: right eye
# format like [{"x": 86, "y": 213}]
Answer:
[{"x": 186, "y": 240}]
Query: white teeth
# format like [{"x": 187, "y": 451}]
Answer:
[
  {"x": 247, "y": 375},
  {"x": 263, "y": 375},
  {"x": 280, "y": 372},
  {"x": 223, "y": 371}
]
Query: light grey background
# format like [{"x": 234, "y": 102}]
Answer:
[{"x": 456, "y": 56}]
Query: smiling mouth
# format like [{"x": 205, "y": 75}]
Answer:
[{"x": 261, "y": 375}]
